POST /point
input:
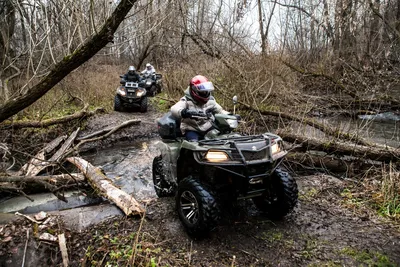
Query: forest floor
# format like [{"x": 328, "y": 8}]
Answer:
[{"x": 329, "y": 227}]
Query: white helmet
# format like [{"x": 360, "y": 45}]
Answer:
[
  {"x": 148, "y": 65},
  {"x": 131, "y": 68}
]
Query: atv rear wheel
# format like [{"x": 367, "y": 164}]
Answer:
[
  {"x": 143, "y": 104},
  {"x": 280, "y": 197},
  {"x": 197, "y": 207},
  {"x": 161, "y": 186},
  {"x": 117, "y": 103}
]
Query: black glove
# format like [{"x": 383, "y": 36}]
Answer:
[{"x": 185, "y": 113}]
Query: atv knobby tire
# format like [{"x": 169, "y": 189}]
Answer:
[
  {"x": 197, "y": 207},
  {"x": 143, "y": 104},
  {"x": 161, "y": 186},
  {"x": 280, "y": 197},
  {"x": 153, "y": 90},
  {"x": 117, "y": 103}
]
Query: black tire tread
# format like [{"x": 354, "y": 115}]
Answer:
[
  {"x": 164, "y": 184},
  {"x": 208, "y": 205},
  {"x": 287, "y": 196},
  {"x": 143, "y": 104},
  {"x": 117, "y": 103}
]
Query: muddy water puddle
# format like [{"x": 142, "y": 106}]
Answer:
[{"x": 129, "y": 166}]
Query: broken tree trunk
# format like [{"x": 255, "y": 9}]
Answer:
[{"x": 104, "y": 186}]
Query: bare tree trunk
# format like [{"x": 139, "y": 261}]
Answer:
[{"x": 261, "y": 25}]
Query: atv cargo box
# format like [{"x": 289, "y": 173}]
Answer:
[{"x": 169, "y": 126}]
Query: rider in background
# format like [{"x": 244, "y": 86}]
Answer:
[
  {"x": 148, "y": 70},
  {"x": 197, "y": 99},
  {"x": 132, "y": 75}
]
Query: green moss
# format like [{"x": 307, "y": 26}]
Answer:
[{"x": 367, "y": 258}]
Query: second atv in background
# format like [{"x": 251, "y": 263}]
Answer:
[
  {"x": 152, "y": 83},
  {"x": 131, "y": 92}
]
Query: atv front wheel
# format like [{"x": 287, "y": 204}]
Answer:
[
  {"x": 197, "y": 207},
  {"x": 143, "y": 104},
  {"x": 280, "y": 197},
  {"x": 153, "y": 90},
  {"x": 161, "y": 186},
  {"x": 117, "y": 103}
]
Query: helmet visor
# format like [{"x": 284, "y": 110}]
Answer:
[{"x": 205, "y": 87}]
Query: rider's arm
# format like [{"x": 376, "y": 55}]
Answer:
[{"x": 178, "y": 107}]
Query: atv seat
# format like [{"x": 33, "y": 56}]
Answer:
[{"x": 169, "y": 126}]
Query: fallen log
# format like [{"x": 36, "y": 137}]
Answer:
[
  {"x": 105, "y": 187},
  {"x": 383, "y": 154},
  {"x": 49, "y": 122}
]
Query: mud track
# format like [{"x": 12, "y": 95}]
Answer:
[{"x": 325, "y": 229}]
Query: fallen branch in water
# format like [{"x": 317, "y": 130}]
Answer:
[
  {"x": 105, "y": 187},
  {"x": 87, "y": 139}
]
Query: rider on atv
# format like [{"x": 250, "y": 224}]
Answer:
[
  {"x": 197, "y": 99},
  {"x": 149, "y": 70},
  {"x": 132, "y": 75}
]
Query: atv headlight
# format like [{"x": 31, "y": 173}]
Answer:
[
  {"x": 148, "y": 83},
  {"x": 275, "y": 148},
  {"x": 139, "y": 93},
  {"x": 233, "y": 124},
  {"x": 216, "y": 156},
  {"x": 121, "y": 91}
]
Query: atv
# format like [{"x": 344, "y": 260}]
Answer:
[
  {"x": 130, "y": 95},
  {"x": 153, "y": 84},
  {"x": 222, "y": 168}
]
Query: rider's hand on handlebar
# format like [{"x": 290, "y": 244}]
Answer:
[{"x": 186, "y": 113}]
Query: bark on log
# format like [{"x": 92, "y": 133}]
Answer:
[
  {"x": 383, "y": 154},
  {"x": 104, "y": 186},
  {"x": 46, "y": 123}
]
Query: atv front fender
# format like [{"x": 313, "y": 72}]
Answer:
[{"x": 170, "y": 153}]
